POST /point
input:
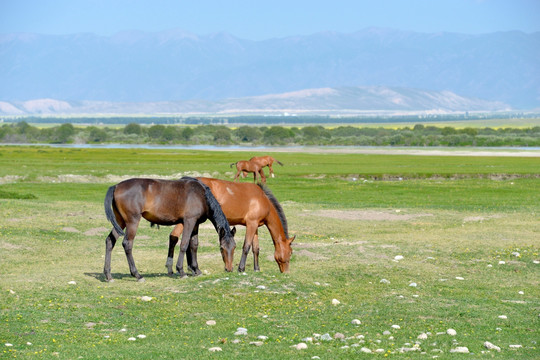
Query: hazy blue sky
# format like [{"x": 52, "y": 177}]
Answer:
[{"x": 262, "y": 19}]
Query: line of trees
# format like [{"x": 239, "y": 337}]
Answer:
[{"x": 133, "y": 133}]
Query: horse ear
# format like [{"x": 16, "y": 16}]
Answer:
[
  {"x": 292, "y": 239},
  {"x": 221, "y": 233},
  {"x": 233, "y": 230}
]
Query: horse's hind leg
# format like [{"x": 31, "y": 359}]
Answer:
[
  {"x": 109, "y": 246},
  {"x": 173, "y": 240},
  {"x": 131, "y": 231}
]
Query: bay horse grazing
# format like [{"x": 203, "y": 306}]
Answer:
[
  {"x": 252, "y": 206},
  {"x": 164, "y": 202},
  {"x": 246, "y": 166},
  {"x": 263, "y": 161}
]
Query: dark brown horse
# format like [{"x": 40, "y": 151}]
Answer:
[
  {"x": 252, "y": 206},
  {"x": 164, "y": 202},
  {"x": 245, "y": 166},
  {"x": 263, "y": 161}
]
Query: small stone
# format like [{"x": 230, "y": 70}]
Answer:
[
  {"x": 122, "y": 330},
  {"x": 236, "y": 341},
  {"x": 262, "y": 287},
  {"x": 384, "y": 281},
  {"x": 380, "y": 351},
  {"x": 451, "y": 332},
  {"x": 398, "y": 257},
  {"x": 521, "y": 293},
  {"x": 211, "y": 322},
  {"x": 315, "y": 357},
  {"x": 516, "y": 254},
  {"x": 459, "y": 278},
  {"x": 491, "y": 346},
  {"x": 422, "y": 336},
  {"x": 356, "y": 322},
  {"x": 256, "y": 343},
  {"x": 326, "y": 337},
  {"x": 345, "y": 347},
  {"x": 72, "y": 283},
  {"x": 262, "y": 337},
  {"x": 502, "y": 262},
  {"x": 397, "y": 327},
  {"x": 300, "y": 346},
  {"x": 514, "y": 347},
  {"x": 335, "y": 302},
  {"x": 308, "y": 339},
  {"x": 489, "y": 265},
  {"x": 8, "y": 344},
  {"x": 215, "y": 349},
  {"x": 339, "y": 336},
  {"x": 146, "y": 298},
  {"x": 386, "y": 332},
  {"x": 460, "y": 349},
  {"x": 503, "y": 317},
  {"x": 141, "y": 336},
  {"x": 365, "y": 350},
  {"x": 132, "y": 339},
  {"x": 413, "y": 284},
  {"x": 29, "y": 343},
  {"x": 536, "y": 261}
]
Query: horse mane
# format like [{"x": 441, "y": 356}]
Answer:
[
  {"x": 217, "y": 217},
  {"x": 277, "y": 206}
]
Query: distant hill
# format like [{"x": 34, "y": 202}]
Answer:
[
  {"x": 175, "y": 65},
  {"x": 348, "y": 100}
]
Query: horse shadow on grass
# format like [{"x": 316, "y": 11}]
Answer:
[{"x": 121, "y": 276}]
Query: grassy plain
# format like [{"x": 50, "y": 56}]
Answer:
[{"x": 453, "y": 219}]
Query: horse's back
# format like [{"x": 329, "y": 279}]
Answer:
[
  {"x": 239, "y": 201},
  {"x": 163, "y": 202}
]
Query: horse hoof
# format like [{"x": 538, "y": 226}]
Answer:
[
  {"x": 109, "y": 280},
  {"x": 141, "y": 280}
]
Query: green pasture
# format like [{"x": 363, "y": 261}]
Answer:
[{"x": 466, "y": 227}]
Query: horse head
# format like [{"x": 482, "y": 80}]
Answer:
[
  {"x": 227, "y": 246},
  {"x": 283, "y": 253}
]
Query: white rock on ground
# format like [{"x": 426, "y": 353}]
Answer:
[
  {"x": 356, "y": 322},
  {"x": 422, "y": 336},
  {"x": 491, "y": 346},
  {"x": 214, "y": 349},
  {"x": 384, "y": 281},
  {"x": 514, "y": 347},
  {"x": 339, "y": 336},
  {"x": 413, "y": 284},
  {"x": 365, "y": 350},
  {"x": 211, "y": 322},
  {"x": 451, "y": 332},
  {"x": 336, "y": 302},
  {"x": 300, "y": 346},
  {"x": 326, "y": 337},
  {"x": 398, "y": 257},
  {"x": 504, "y": 317},
  {"x": 256, "y": 343},
  {"x": 146, "y": 298},
  {"x": 397, "y": 327},
  {"x": 460, "y": 349}
]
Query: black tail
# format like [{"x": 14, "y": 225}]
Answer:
[
  {"x": 109, "y": 212},
  {"x": 279, "y": 162}
]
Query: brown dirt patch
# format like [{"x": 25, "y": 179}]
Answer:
[
  {"x": 96, "y": 231},
  {"x": 70, "y": 230}
]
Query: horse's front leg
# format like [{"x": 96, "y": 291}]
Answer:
[
  {"x": 191, "y": 254},
  {"x": 255, "y": 249},
  {"x": 250, "y": 233},
  {"x": 109, "y": 246},
  {"x": 173, "y": 240},
  {"x": 184, "y": 245}
]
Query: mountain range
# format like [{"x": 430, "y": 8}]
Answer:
[
  {"x": 175, "y": 67},
  {"x": 375, "y": 100}
]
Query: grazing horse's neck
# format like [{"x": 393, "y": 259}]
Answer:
[{"x": 275, "y": 227}]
